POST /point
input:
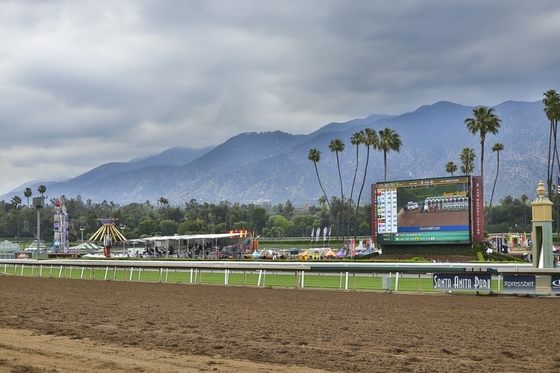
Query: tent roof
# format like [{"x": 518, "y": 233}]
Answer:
[{"x": 87, "y": 246}]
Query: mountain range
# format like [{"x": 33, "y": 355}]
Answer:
[{"x": 272, "y": 167}]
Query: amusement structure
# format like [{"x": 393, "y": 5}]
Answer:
[
  {"x": 60, "y": 240},
  {"x": 107, "y": 234}
]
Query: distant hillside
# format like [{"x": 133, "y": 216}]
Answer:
[{"x": 273, "y": 166}]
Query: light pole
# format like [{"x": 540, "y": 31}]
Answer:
[
  {"x": 82, "y": 228},
  {"x": 38, "y": 204},
  {"x": 123, "y": 227}
]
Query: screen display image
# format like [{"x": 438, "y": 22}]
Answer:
[{"x": 427, "y": 211}]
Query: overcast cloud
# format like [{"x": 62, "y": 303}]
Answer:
[{"x": 84, "y": 83}]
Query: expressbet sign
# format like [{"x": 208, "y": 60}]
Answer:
[
  {"x": 519, "y": 284},
  {"x": 444, "y": 281}
]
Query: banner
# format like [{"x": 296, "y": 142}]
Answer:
[
  {"x": 519, "y": 284},
  {"x": 445, "y": 281},
  {"x": 477, "y": 209}
]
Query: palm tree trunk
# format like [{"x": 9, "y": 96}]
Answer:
[
  {"x": 496, "y": 179},
  {"x": 360, "y": 194},
  {"x": 321, "y": 185},
  {"x": 384, "y": 165},
  {"x": 341, "y": 200},
  {"x": 550, "y": 155}
]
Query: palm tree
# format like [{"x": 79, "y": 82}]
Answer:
[
  {"x": 28, "y": 193},
  {"x": 524, "y": 199},
  {"x": 16, "y": 202},
  {"x": 337, "y": 146},
  {"x": 314, "y": 156},
  {"x": 42, "y": 189},
  {"x": 551, "y": 103},
  {"x": 484, "y": 121},
  {"x": 496, "y": 148},
  {"x": 370, "y": 140},
  {"x": 467, "y": 157},
  {"x": 450, "y": 168},
  {"x": 357, "y": 139},
  {"x": 388, "y": 140}
]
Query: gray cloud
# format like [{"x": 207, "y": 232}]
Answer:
[{"x": 90, "y": 82}]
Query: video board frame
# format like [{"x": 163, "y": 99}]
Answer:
[{"x": 427, "y": 211}]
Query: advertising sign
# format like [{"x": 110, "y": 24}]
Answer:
[
  {"x": 555, "y": 284},
  {"x": 445, "y": 281},
  {"x": 477, "y": 209},
  {"x": 519, "y": 284},
  {"x": 422, "y": 211}
]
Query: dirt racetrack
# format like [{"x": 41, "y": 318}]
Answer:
[{"x": 63, "y": 325}]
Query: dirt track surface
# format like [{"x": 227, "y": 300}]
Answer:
[
  {"x": 63, "y": 325},
  {"x": 417, "y": 218}
]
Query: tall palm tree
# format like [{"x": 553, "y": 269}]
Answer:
[
  {"x": 450, "y": 168},
  {"x": 28, "y": 193},
  {"x": 370, "y": 140},
  {"x": 524, "y": 199},
  {"x": 388, "y": 140},
  {"x": 496, "y": 148},
  {"x": 314, "y": 156},
  {"x": 358, "y": 138},
  {"x": 467, "y": 157},
  {"x": 42, "y": 189},
  {"x": 484, "y": 121},
  {"x": 337, "y": 146},
  {"x": 16, "y": 202},
  {"x": 551, "y": 103}
]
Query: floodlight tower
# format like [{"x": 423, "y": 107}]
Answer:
[{"x": 38, "y": 203}]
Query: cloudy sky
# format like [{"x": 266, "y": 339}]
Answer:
[{"x": 84, "y": 83}]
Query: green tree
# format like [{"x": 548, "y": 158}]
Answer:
[
  {"x": 467, "y": 157},
  {"x": 450, "y": 168},
  {"x": 498, "y": 147},
  {"x": 148, "y": 227},
  {"x": 168, "y": 227},
  {"x": 483, "y": 122},
  {"x": 388, "y": 140},
  {"x": 314, "y": 156},
  {"x": 551, "y": 103},
  {"x": 258, "y": 219}
]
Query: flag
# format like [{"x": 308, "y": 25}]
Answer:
[
  {"x": 558, "y": 184},
  {"x": 318, "y": 234},
  {"x": 312, "y": 231},
  {"x": 324, "y": 233}
]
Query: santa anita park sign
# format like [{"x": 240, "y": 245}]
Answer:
[{"x": 514, "y": 284}]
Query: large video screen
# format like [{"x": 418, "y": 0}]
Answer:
[{"x": 426, "y": 211}]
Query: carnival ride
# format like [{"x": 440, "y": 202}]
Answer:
[
  {"x": 107, "y": 234},
  {"x": 60, "y": 241}
]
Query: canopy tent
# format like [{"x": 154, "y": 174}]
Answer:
[
  {"x": 203, "y": 239},
  {"x": 86, "y": 246},
  {"x": 330, "y": 254},
  {"x": 341, "y": 254}
]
